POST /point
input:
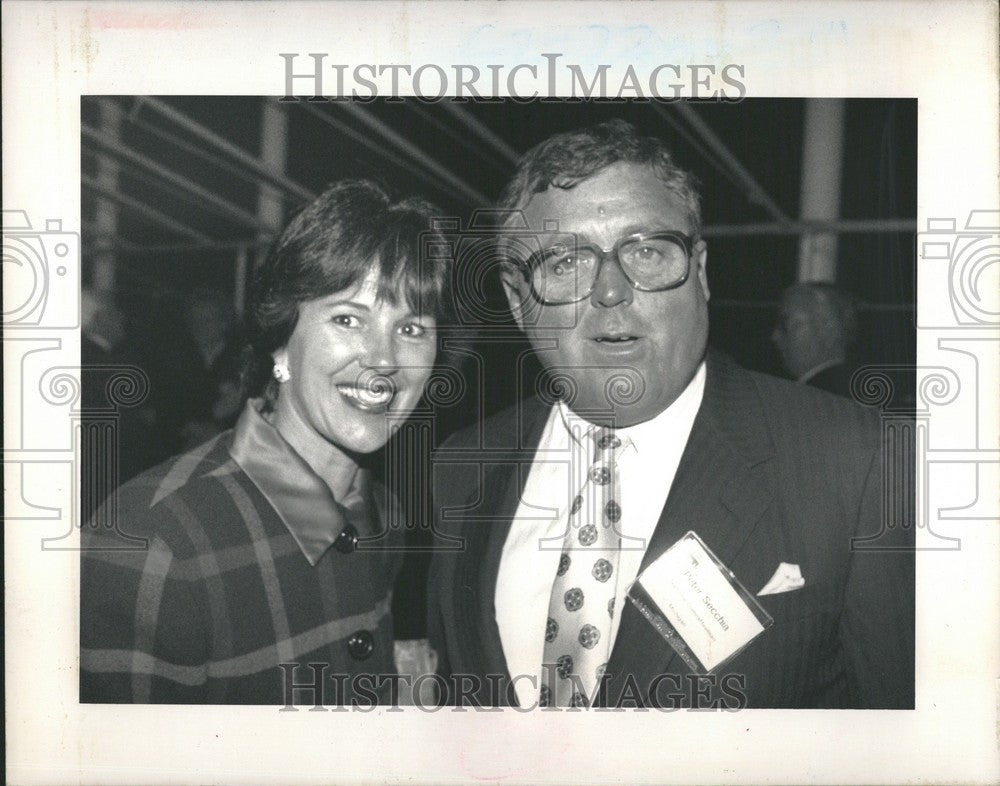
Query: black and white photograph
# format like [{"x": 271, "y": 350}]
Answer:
[
  {"x": 277, "y": 364},
  {"x": 402, "y": 397}
]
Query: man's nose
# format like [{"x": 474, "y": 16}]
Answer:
[{"x": 612, "y": 288}]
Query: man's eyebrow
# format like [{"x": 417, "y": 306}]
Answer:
[
  {"x": 548, "y": 239},
  {"x": 645, "y": 229}
]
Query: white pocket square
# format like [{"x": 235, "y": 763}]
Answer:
[{"x": 785, "y": 579}]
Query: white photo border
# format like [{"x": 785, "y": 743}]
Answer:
[{"x": 942, "y": 53}]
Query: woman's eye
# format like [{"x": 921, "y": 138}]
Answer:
[
  {"x": 346, "y": 320},
  {"x": 413, "y": 330}
]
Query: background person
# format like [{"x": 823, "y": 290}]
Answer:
[
  {"x": 192, "y": 361},
  {"x": 104, "y": 352},
  {"x": 102, "y": 326},
  {"x": 265, "y": 544},
  {"x": 817, "y": 326}
]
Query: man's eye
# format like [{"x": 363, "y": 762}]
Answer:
[
  {"x": 648, "y": 253},
  {"x": 561, "y": 265}
]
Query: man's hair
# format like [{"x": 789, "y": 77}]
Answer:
[
  {"x": 331, "y": 245},
  {"x": 563, "y": 160}
]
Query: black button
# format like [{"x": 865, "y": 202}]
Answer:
[
  {"x": 347, "y": 540},
  {"x": 360, "y": 644}
]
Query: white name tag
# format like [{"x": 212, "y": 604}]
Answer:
[{"x": 697, "y": 605}]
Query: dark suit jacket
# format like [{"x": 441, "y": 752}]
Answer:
[
  {"x": 835, "y": 379},
  {"x": 772, "y": 472}
]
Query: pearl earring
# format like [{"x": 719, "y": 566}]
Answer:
[{"x": 281, "y": 372}]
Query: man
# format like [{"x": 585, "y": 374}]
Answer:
[
  {"x": 653, "y": 436},
  {"x": 815, "y": 330}
]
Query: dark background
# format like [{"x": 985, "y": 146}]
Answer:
[
  {"x": 406, "y": 143},
  {"x": 746, "y": 274}
]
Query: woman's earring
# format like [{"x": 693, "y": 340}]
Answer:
[{"x": 280, "y": 372}]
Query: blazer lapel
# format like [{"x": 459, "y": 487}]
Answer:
[
  {"x": 505, "y": 470},
  {"x": 722, "y": 487}
]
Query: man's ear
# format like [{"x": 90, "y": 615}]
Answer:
[
  {"x": 516, "y": 289},
  {"x": 699, "y": 257}
]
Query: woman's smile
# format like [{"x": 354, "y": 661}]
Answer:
[{"x": 375, "y": 398}]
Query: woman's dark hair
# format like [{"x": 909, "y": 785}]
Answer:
[{"x": 331, "y": 245}]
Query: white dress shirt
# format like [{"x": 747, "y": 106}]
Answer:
[{"x": 646, "y": 467}]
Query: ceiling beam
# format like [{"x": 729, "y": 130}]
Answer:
[
  {"x": 250, "y": 162},
  {"x": 481, "y": 130},
  {"x": 369, "y": 143},
  {"x": 841, "y": 227},
  {"x": 123, "y": 153},
  {"x": 194, "y": 149},
  {"x": 181, "y": 247},
  {"x": 754, "y": 191},
  {"x": 400, "y": 142},
  {"x": 98, "y": 239},
  {"x": 145, "y": 210},
  {"x": 864, "y": 226}
]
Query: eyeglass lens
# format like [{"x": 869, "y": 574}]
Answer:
[{"x": 567, "y": 272}]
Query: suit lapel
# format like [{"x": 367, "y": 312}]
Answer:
[
  {"x": 722, "y": 487},
  {"x": 505, "y": 470}
]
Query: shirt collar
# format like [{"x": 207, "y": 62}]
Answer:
[
  {"x": 300, "y": 497},
  {"x": 647, "y": 435}
]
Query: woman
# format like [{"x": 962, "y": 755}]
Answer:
[{"x": 266, "y": 546}]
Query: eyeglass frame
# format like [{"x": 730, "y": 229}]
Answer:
[{"x": 687, "y": 242}]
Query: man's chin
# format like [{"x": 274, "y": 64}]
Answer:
[
  {"x": 614, "y": 409},
  {"x": 625, "y": 415}
]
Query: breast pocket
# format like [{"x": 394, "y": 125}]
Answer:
[{"x": 786, "y": 607}]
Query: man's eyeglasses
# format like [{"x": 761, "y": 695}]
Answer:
[{"x": 651, "y": 261}]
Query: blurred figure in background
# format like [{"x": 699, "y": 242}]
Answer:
[
  {"x": 817, "y": 325},
  {"x": 103, "y": 353},
  {"x": 186, "y": 364},
  {"x": 102, "y": 327},
  {"x": 227, "y": 374},
  {"x": 211, "y": 323}
]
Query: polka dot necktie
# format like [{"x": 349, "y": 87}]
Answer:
[{"x": 578, "y": 628}]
